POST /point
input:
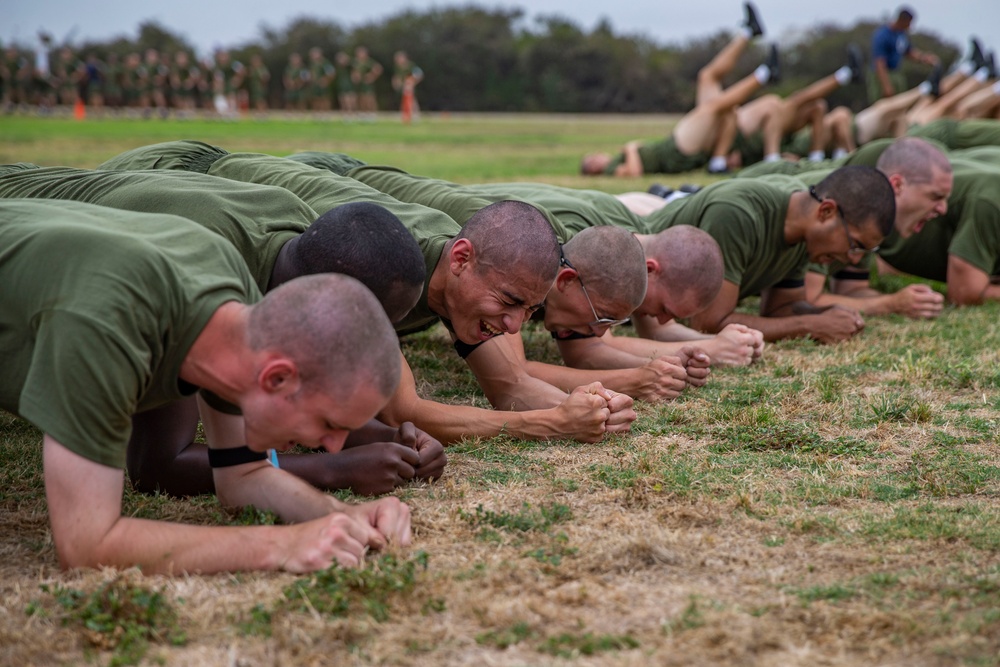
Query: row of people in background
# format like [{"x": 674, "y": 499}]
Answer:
[{"x": 161, "y": 81}]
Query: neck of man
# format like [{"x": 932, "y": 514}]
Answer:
[
  {"x": 220, "y": 360},
  {"x": 436, "y": 286},
  {"x": 801, "y": 206}
]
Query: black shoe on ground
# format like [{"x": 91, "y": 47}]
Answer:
[
  {"x": 976, "y": 56},
  {"x": 724, "y": 170},
  {"x": 660, "y": 190},
  {"x": 689, "y": 188},
  {"x": 856, "y": 60},
  {"x": 773, "y": 64},
  {"x": 935, "y": 80},
  {"x": 751, "y": 21}
]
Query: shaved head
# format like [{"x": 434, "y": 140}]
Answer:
[
  {"x": 915, "y": 159},
  {"x": 335, "y": 331},
  {"x": 691, "y": 264},
  {"x": 513, "y": 236},
  {"x": 611, "y": 263}
]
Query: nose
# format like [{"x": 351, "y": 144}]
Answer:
[
  {"x": 600, "y": 329},
  {"x": 942, "y": 207},
  {"x": 334, "y": 441},
  {"x": 663, "y": 318}
]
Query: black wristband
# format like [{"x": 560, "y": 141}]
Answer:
[{"x": 225, "y": 458}]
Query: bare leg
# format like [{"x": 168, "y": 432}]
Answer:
[
  {"x": 980, "y": 104},
  {"x": 944, "y": 105},
  {"x": 838, "y": 129},
  {"x": 885, "y": 117},
  {"x": 710, "y": 76},
  {"x": 763, "y": 115}
]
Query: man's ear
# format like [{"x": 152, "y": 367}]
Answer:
[
  {"x": 279, "y": 376},
  {"x": 565, "y": 277},
  {"x": 896, "y": 181},
  {"x": 652, "y": 268},
  {"x": 827, "y": 210},
  {"x": 461, "y": 255}
]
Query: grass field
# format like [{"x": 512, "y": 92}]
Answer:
[{"x": 826, "y": 506}]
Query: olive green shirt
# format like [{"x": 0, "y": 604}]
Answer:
[
  {"x": 574, "y": 209},
  {"x": 193, "y": 156},
  {"x": 256, "y": 219},
  {"x": 663, "y": 157},
  {"x": 100, "y": 309},
  {"x": 747, "y": 218},
  {"x": 960, "y": 134}
]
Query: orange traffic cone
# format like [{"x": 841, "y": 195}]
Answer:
[{"x": 79, "y": 110}]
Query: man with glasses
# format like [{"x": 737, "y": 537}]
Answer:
[
  {"x": 947, "y": 229},
  {"x": 922, "y": 180},
  {"x": 769, "y": 229},
  {"x": 601, "y": 281}
]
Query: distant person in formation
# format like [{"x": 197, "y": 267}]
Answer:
[
  {"x": 321, "y": 74},
  {"x": 405, "y": 78},
  {"x": 347, "y": 96},
  {"x": 258, "y": 80},
  {"x": 294, "y": 80},
  {"x": 364, "y": 73}
]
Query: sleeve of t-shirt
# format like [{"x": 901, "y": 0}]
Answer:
[
  {"x": 83, "y": 386},
  {"x": 977, "y": 239}
]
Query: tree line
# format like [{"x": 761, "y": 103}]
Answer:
[{"x": 477, "y": 59}]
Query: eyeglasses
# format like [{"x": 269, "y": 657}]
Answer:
[
  {"x": 855, "y": 247},
  {"x": 598, "y": 322}
]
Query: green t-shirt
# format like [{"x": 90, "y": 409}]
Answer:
[
  {"x": 100, "y": 308},
  {"x": 970, "y": 229},
  {"x": 663, "y": 157},
  {"x": 338, "y": 163},
  {"x": 193, "y": 156},
  {"x": 960, "y": 134},
  {"x": 324, "y": 191},
  {"x": 747, "y": 218},
  {"x": 574, "y": 209},
  {"x": 258, "y": 220},
  {"x": 749, "y": 146}
]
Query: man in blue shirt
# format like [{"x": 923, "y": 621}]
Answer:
[{"x": 890, "y": 44}]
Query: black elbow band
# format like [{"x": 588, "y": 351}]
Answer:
[{"x": 225, "y": 458}]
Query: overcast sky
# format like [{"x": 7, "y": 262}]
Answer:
[{"x": 211, "y": 23}]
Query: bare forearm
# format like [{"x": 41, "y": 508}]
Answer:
[
  {"x": 867, "y": 301},
  {"x": 265, "y": 487},
  {"x": 625, "y": 380},
  {"x": 170, "y": 548},
  {"x": 609, "y": 351},
  {"x": 451, "y": 423},
  {"x": 774, "y": 327},
  {"x": 973, "y": 297},
  {"x": 646, "y": 349}
]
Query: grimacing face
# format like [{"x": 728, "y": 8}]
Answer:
[
  {"x": 484, "y": 302},
  {"x": 919, "y": 203}
]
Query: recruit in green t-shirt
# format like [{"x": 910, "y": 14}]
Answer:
[
  {"x": 258, "y": 220},
  {"x": 747, "y": 218},
  {"x": 100, "y": 309}
]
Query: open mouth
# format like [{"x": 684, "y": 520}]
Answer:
[{"x": 487, "y": 331}]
